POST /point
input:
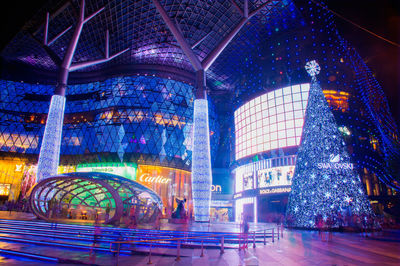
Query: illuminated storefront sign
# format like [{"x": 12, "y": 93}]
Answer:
[
  {"x": 18, "y": 167},
  {"x": 238, "y": 195},
  {"x": 147, "y": 178},
  {"x": 216, "y": 188},
  {"x": 127, "y": 170},
  {"x": 276, "y": 190}
]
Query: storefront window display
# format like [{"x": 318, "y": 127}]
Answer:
[
  {"x": 168, "y": 183},
  {"x": 277, "y": 176},
  {"x": 11, "y": 173}
]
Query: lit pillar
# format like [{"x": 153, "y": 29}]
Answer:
[
  {"x": 50, "y": 150},
  {"x": 201, "y": 162}
]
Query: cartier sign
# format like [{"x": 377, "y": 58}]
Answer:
[{"x": 147, "y": 178}]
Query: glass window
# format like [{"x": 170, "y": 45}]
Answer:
[
  {"x": 274, "y": 144},
  {"x": 279, "y": 100},
  {"x": 298, "y": 122},
  {"x": 287, "y": 98},
  {"x": 305, "y": 87},
  {"x": 282, "y": 143},
  {"x": 280, "y": 117},
  {"x": 279, "y": 109},
  {"x": 290, "y": 132},
  {"x": 274, "y": 135},
  {"x": 258, "y": 108},
  {"x": 282, "y": 134},
  {"x": 289, "y": 115},
  {"x": 271, "y": 95},
  {"x": 287, "y": 90},
  {"x": 272, "y": 119},
  {"x": 298, "y": 114},
  {"x": 296, "y": 97},
  {"x": 272, "y": 127},
  {"x": 295, "y": 88},
  {"x": 259, "y": 116},
  {"x": 281, "y": 125},
  {"x": 266, "y": 146},
  {"x": 288, "y": 107},
  {"x": 291, "y": 142},
  {"x": 297, "y": 106},
  {"x": 278, "y": 93},
  {"x": 289, "y": 124},
  {"x": 271, "y": 103}
]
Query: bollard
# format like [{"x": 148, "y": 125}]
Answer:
[
  {"x": 149, "y": 262},
  {"x": 239, "y": 239},
  {"x": 202, "y": 249},
  {"x": 265, "y": 241},
  {"x": 118, "y": 253},
  {"x": 222, "y": 245},
  {"x": 273, "y": 235},
  {"x": 281, "y": 230},
  {"x": 254, "y": 239},
  {"x": 278, "y": 231},
  {"x": 178, "y": 251}
]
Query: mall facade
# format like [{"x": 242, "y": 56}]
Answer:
[{"x": 133, "y": 114}]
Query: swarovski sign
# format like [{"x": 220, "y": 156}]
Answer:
[{"x": 334, "y": 163}]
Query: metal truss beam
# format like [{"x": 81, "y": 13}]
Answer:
[
  {"x": 81, "y": 65},
  {"x": 213, "y": 55},
  {"x": 179, "y": 37}
]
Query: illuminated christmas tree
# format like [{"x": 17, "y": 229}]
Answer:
[{"x": 325, "y": 182}]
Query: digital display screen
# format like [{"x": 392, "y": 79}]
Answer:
[{"x": 271, "y": 121}]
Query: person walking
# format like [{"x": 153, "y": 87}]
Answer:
[
  {"x": 54, "y": 211},
  {"x": 132, "y": 216},
  {"x": 96, "y": 235},
  {"x": 108, "y": 209}
]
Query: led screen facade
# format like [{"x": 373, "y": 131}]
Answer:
[{"x": 271, "y": 121}]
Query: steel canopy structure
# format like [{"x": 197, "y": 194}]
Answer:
[{"x": 93, "y": 192}]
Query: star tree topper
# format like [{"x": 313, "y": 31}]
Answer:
[{"x": 312, "y": 68}]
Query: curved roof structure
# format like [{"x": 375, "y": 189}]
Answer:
[
  {"x": 95, "y": 191},
  {"x": 138, "y": 25}
]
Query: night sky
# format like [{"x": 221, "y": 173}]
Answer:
[{"x": 381, "y": 17}]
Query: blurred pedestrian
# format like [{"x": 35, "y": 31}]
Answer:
[{"x": 96, "y": 235}]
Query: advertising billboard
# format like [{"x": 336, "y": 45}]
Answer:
[{"x": 271, "y": 121}]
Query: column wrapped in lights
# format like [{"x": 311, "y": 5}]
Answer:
[
  {"x": 201, "y": 162},
  {"x": 50, "y": 150}
]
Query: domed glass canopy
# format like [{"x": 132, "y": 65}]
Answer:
[{"x": 85, "y": 196}]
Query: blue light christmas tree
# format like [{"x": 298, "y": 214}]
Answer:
[{"x": 325, "y": 181}]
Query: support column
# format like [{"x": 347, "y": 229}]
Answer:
[
  {"x": 201, "y": 162},
  {"x": 50, "y": 150},
  {"x": 201, "y": 158}
]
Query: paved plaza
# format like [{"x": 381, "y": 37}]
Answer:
[{"x": 68, "y": 246}]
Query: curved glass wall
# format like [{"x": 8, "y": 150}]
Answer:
[
  {"x": 271, "y": 121},
  {"x": 141, "y": 119}
]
